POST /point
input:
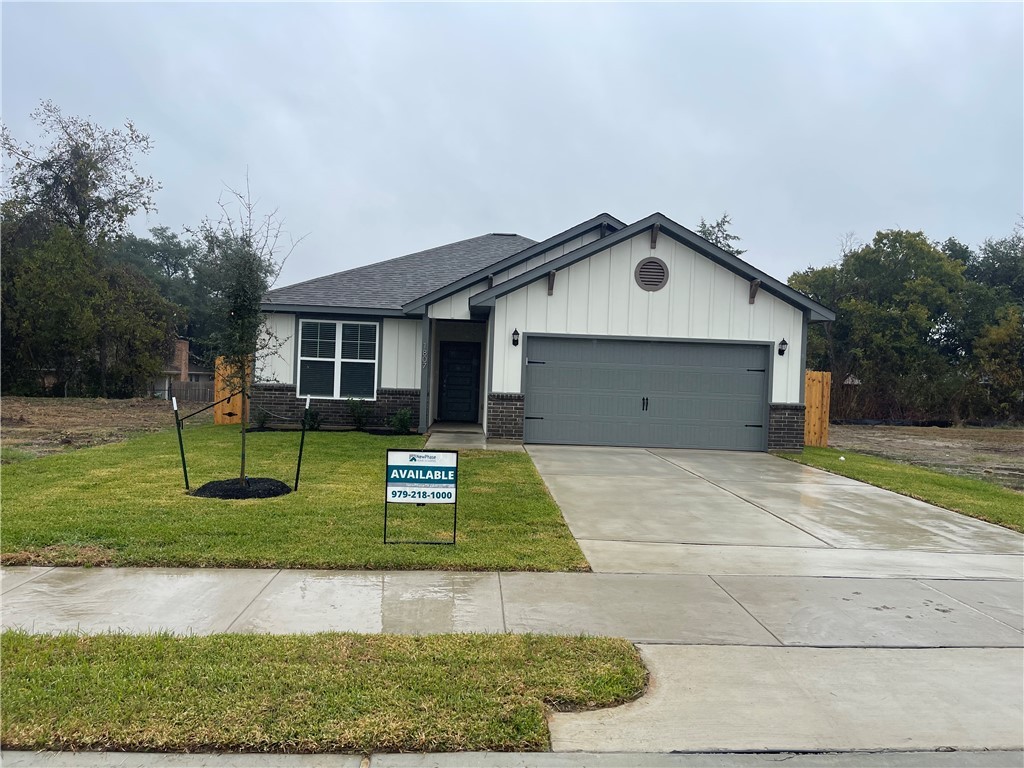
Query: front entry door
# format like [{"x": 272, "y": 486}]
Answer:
[{"x": 460, "y": 381}]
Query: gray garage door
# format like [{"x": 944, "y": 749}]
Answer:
[{"x": 648, "y": 393}]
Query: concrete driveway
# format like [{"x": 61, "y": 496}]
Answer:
[
  {"x": 637, "y": 510},
  {"x": 886, "y": 623}
]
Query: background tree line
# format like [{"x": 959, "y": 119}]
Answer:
[
  {"x": 88, "y": 308},
  {"x": 923, "y": 330}
]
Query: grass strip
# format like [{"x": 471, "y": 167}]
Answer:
[
  {"x": 304, "y": 693},
  {"x": 975, "y": 498},
  {"x": 125, "y": 505}
]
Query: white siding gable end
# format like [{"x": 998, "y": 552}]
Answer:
[{"x": 599, "y": 296}]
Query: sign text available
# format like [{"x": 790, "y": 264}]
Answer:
[{"x": 422, "y": 477}]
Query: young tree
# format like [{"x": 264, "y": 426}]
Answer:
[
  {"x": 718, "y": 233},
  {"x": 244, "y": 253}
]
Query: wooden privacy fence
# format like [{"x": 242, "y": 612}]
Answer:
[
  {"x": 190, "y": 391},
  {"x": 230, "y": 411},
  {"x": 817, "y": 397}
]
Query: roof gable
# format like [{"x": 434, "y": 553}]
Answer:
[
  {"x": 815, "y": 312},
  {"x": 602, "y": 221},
  {"x": 387, "y": 285}
]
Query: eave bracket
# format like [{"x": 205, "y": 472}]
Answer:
[{"x": 754, "y": 285}]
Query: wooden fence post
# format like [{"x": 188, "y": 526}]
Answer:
[
  {"x": 230, "y": 411},
  {"x": 817, "y": 398}
]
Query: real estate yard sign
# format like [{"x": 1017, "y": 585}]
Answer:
[{"x": 420, "y": 478}]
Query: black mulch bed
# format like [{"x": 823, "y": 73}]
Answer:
[{"x": 258, "y": 488}]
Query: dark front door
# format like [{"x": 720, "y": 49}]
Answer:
[{"x": 460, "y": 381}]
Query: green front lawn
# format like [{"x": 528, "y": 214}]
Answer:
[
  {"x": 125, "y": 504},
  {"x": 975, "y": 498},
  {"x": 304, "y": 693}
]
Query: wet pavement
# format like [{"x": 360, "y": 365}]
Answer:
[
  {"x": 456, "y": 436},
  {"x": 894, "y": 624},
  {"x": 780, "y": 609},
  {"x": 615, "y": 499},
  {"x": 645, "y": 608},
  {"x": 947, "y": 759},
  {"x": 707, "y": 698},
  {"x": 749, "y": 560}
]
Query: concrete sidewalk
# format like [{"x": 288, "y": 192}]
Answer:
[
  {"x": 993, "y": 759},
  {"x": 737, "y": 663},
  {"x": 645, "y": 608}
]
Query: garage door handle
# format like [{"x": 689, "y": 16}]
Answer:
[{"x": 643, "y": 404}]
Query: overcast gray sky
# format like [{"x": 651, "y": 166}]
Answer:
[{"x": 385, "y": 129}]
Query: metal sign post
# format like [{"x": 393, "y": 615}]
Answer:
[{"x": 422, "y": 478}]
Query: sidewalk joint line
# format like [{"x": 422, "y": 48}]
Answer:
[
  {"x": 745, "y": 610},
  {"x": 29, "y": 581},
  {"x": 501, "y": 599},
  {"x": 958, "y": 600},
  {"x": 707, "y": 544},
  {"x": 254, "y": 599}
]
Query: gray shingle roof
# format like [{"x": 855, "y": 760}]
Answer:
[{"x": 390, "y": 284}]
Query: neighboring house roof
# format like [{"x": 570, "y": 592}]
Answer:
[
  {"x": 815, "y": 311},
  {"x": 388, "y": 285}
]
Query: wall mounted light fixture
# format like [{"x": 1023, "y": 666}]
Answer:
[
  {"x": 515, "y": 338},
  {"x": 783, "y": 346}
]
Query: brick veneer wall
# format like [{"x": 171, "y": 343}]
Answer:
[
  {"x": 505, "y": 416},
  {"x": 282, "y": 404},
  {"x": 785, "y": 427}
]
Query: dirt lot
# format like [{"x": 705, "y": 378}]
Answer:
[
  {"x": 41, "y": 426},
  {"x": 996, "y": 455}
]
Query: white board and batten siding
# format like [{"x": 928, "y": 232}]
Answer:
[
  {"x": 598, "y": 296},
  {"x": 456, "y": 306},
  {"x": 400, "y": 354},
  {"x": 544, "y": 258},
  {"x": 399, "y": 351}
]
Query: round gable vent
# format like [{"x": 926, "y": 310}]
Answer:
[{"x": 651, "y": 274}]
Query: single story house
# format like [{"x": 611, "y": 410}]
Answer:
[{"x": 604, "y": 334}]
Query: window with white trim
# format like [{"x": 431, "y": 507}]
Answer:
[{"x": 337, "y": 359}]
